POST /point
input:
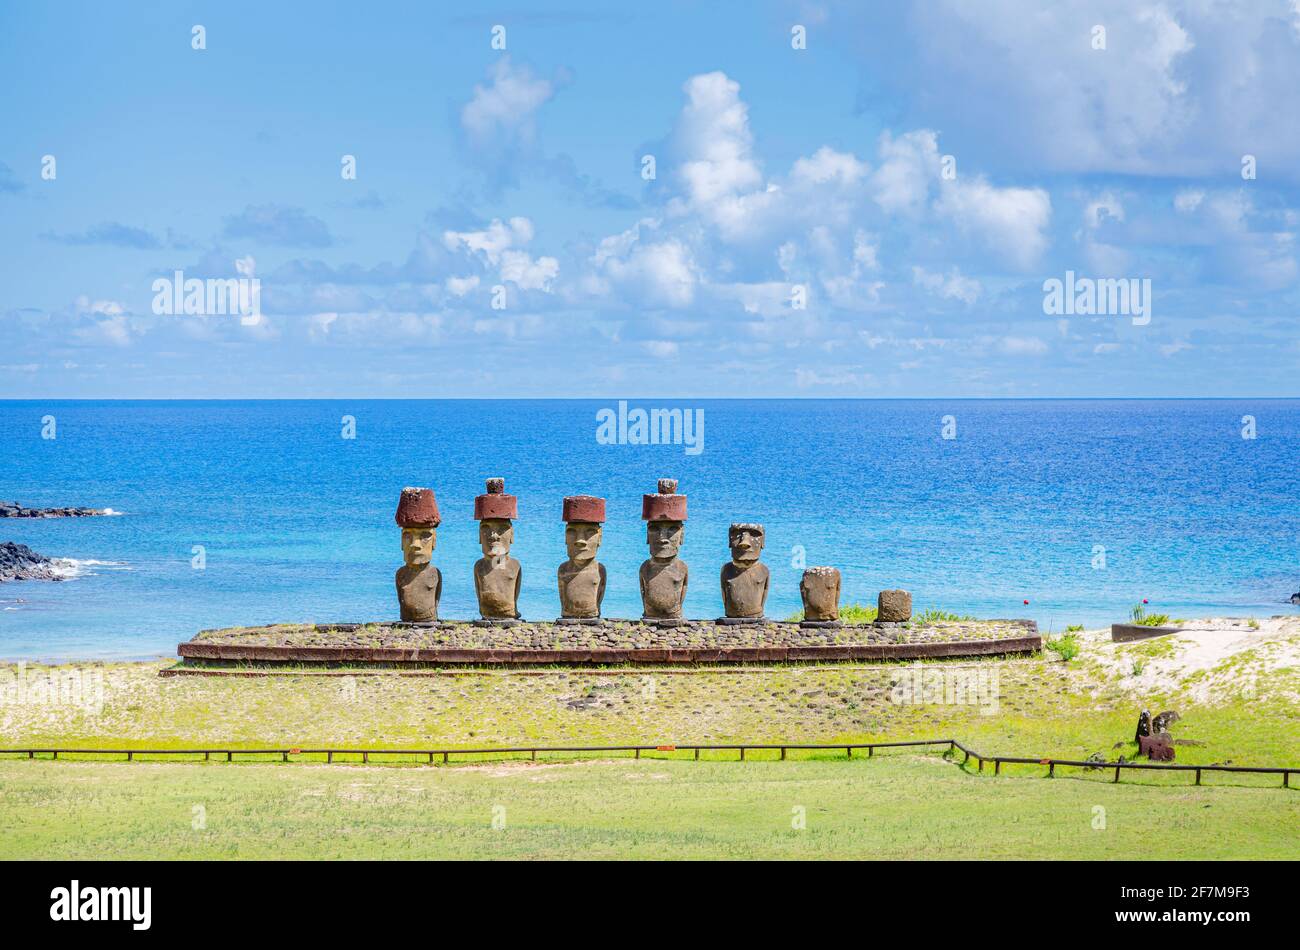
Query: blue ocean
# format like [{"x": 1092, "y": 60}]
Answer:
[{"x": 247, "y": 512}]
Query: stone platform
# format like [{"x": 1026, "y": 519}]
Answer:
[{"x": 604, "y": 642}]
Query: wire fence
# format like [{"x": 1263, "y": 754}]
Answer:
[{"x": 293, "y": 754}]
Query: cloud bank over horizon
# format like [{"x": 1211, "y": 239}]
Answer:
[{"x": 597, "y": 211}]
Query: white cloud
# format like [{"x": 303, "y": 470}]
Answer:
[
  {"x": 1183, "y": 87},
  {"x": 908, "y": 165},
  {"x": 1014, "y": 220},
  {"x": 460, "y": 286},
  {"x": 499, "y": 245},
  {"x": 526, "y": 273},
  {"x": 953, "y": 286},
  {"x": 503, "y": 111},
  {"x": 827, "y": 166},
  {"x": 713, "y": 136},
  {"x": 661, "y": 273}
]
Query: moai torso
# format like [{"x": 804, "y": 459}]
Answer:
[
  {"x": 496, "y": 581},
  {"x": 820, "y": 590},
  {"x": 744, "y": 590},
  {"x": 582, "y": 587},
  {"x": 419, "y": 588},
  {"x": 663, "y": 588}
]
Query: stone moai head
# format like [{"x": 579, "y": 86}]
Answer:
[
  {"x": 583, "y": 517},
  {"x": 417, "y": 515},
  {"x": 418, "y": 545},
  {"x": 495, "y": 513},
  {"x": 419, "y": 584},
  {"x": 820, "y": 590},
  {"x": 665, "y": 514},
  {"x": 746, "y": 542}
]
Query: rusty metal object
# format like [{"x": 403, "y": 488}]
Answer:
[{"x": 1156, "y": 748}]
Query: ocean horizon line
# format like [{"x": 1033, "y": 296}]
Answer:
[{"x": 662, "y": 398}]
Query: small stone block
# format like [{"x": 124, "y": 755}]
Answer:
[{"x": 894, "y": 606}]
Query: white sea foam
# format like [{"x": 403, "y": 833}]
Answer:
[{"x": 70, "y": 567}]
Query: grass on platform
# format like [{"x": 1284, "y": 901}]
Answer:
[{"x": 620, "y": 808}]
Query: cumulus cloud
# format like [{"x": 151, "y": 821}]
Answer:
[
  {"x": 502, "y": 112},
  {"x": 659, "y": 272},
  {"x": 953, "y": 285},
  {"x": 500, "y": 245},
  {"x": 1180, "y": 87},
  {"x": 1014, "y": 220}
]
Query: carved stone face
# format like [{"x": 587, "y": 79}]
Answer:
[
  {"x": 582, "y": 539},
  {"x": 495, "y": 535},
  {"x": 746, "y": 546},
  {"x": 664, "y": 538},
  {"x": 418, "y": 545}
]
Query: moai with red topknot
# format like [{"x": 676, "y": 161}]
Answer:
[
  {"x": 582, "y": 577},
  {"x": 419, "y": 583},
  {"x": 664, "y": 575},
  {"x": 496, "y": 573}
]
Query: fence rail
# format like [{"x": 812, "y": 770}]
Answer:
[{"x": 953, "y": 747}]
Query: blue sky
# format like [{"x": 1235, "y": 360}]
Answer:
[{"x": 913, "y": 176}]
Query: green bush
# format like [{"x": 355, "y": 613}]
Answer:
[
  {"x": 1067, "y": 646},
  {"x": 1140, "y": 617}
]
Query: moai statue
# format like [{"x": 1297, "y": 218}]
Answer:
[
  {"x": 496, "y": 573},
  {"x": 744, "y": 578},
  {"x": 663, "y": 576},
  {"x": 820, "y": 590},
  {"x": 582, "y": 577},
  {"x": 419, "y": 584}
]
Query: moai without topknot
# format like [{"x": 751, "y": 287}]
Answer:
[
  {"x": 663, "y": 576},
  {"x": 745, "y": 579},
  {"x": 820, "y": 590},
  {"x": 496, "y": 573},
  {"x": 419, "y": 583},
  {"x": 582, "y": 577}
]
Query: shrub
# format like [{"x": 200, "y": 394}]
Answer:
[
  {"x": 1140, "y": 617},
  {"x": 1067, "y": 646}
]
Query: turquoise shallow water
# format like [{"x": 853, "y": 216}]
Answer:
[{"x": 297, "y": 522}]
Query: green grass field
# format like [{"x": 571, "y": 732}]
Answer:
[
  {"x": 625, "y": 809},
  {"x": 1239, "y": 697}
]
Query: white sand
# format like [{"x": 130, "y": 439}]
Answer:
[{"x": 1231, "y": 653}]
